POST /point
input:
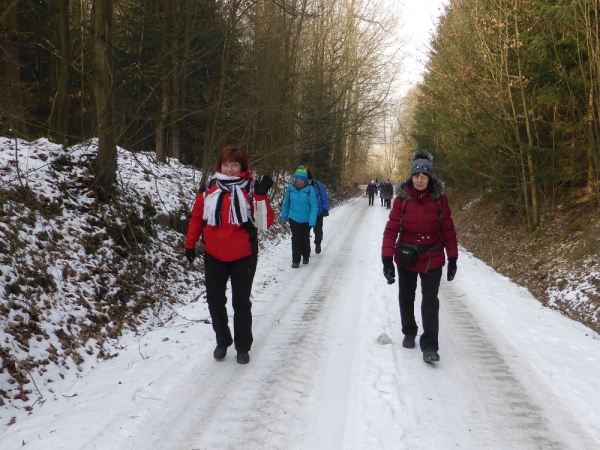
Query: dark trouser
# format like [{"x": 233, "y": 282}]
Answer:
[
  {"x": 216, "y": 274},
  {"x": 371, "y": 198},
  {"x": 318, "y": 229},
  {"x": 300, "y": 240},
  {"x": 381, "y": 200},
  {"x": 388, "y": 203},
  {"x": 430, "y": 305}
]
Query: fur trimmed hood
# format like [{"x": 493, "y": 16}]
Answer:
[{"x": 436, "y": 188}]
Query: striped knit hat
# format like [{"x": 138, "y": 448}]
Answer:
[{"x": 301, "y": 174}]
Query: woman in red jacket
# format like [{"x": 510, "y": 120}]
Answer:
[
  {"x": 420, "y": 226},
  {"x": 223, "y": 215}
]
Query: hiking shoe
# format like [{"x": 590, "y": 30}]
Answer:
[
  {"x": 295, "y": 265},
  {"x": 243, "y": 358},
  {"x": 317, "y": 248},
  {"x": 430, "y": 356},
  {"x": 408, "y": 342},
  {"x": 304, "y": 260},
  {"x": 220, "y": 352}
]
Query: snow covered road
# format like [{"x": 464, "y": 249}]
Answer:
[{"x": 328, "y": 371}]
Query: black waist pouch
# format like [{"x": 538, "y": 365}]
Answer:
[{"x": 407, "y": 255}]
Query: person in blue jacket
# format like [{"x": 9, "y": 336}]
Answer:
[
  {"x": 299, "y": 207},
  {"x": 322, "y": 209}
]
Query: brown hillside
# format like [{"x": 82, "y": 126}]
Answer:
[{"x": 557, "y": 263}]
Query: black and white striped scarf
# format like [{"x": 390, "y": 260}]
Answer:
[{"x": 239, "y": 212}]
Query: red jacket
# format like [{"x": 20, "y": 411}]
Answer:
[
  {"x": 226, "y": 242},
  {"x": 421, "y": 225}
]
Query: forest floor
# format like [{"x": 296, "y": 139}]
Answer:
[{"x": 557, "y": 262}]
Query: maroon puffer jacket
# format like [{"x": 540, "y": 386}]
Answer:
[{"x": 421, "y": 224}]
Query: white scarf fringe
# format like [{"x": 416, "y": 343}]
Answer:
[{"x": 237, "y": 197}]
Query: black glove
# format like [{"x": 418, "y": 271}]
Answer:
[
  {"x": 389, "y": 271},
  {"x": 190, "y": 254},
  {"x": 325, "y": 213},
  {"x": 202, "y": 187},
  {"x": 263, "y": 186},
  {"x": 451, "y": 269}
]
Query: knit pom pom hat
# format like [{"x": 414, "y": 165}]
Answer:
[
  {"x": 301, "y": 174},
  {"x": 422, "y": 163}
]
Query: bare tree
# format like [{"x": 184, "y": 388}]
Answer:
[
  {"x": 105, "y": 165},
  {"x": 12, "y": 108}
]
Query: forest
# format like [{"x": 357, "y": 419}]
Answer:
[
  {"x": 293, "y": 81},
  {"x": 509, "y": 102}
]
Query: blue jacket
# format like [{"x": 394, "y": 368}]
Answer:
[
  {"x": 300, "y": 205},
  {"x": 322, "y": 197}
]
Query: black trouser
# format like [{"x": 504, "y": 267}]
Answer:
[
  {"x": 216, "y": 274},
  {"x": 318, "y": 229},
  {"x": 381, "y": 200},
  {"x": 430, "y": 305},
  {"x": 388, "y": 203},
  {"x": 300, "y": 240},
  {"x": 371, "y": 198}
]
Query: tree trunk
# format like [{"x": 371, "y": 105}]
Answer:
[
  {"x": 162, "y": 123},
  {"x": 105, "y": 165},
  {"x": 535, "y": 218},
  {"x": 11, "y": 60},
  {"x": 64, "y": 81},
  {"x": 174, "y": 132}
]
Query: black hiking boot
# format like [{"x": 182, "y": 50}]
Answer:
[
  {"x": 304, "y": 260},
  {"x": 430, "y": 356},
  {"x": 295, "y": 265},
  {"x": 243, "y": 358},
  {"x": 317, "y": 248},
  {"x": 220, "y": 352},
  {"x": 408, "y": 342}
]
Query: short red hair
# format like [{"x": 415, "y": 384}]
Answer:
[{"x": 233, "y": 153}]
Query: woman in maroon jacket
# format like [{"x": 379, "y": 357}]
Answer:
[
  {"x": 223, "y": 215},
  {"x": 420, "y": 224}
]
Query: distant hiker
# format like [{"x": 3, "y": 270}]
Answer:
[
  {"x": 371, "y": 190},
  {"x": 380, "y": 189},
  {"x": 223, "y": 215},
  {"x": 300, "y": 208},
  {"x": 419, "y": 228},
  {"x": 322, "y": 209},
  {"x": 388, "y": 193}
]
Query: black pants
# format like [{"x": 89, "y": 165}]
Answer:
[
  {"x": 381, "y": 200},
  {"x": 241, "y": 272},
  {"x": 318, "y": 229},
  {"x": 371, "y": 198},
  {"x": 388, "y": 203},
  {"x": 430, "y": 305},
  {"x": 300, "y": 240}
]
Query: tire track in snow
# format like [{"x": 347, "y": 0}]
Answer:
[
  {"x": 290, "y": 382},
  {"x": 287, "y": 353},
  {"x": 506, "y": 397}
]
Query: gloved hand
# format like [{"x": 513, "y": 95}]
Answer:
[
  {"x": 325, "y": 213},
  {"x": 389, "y": 271},
  {"x": 451, "y": 269},
  {"x": 190, "y": 254},
  {"x": 202, "y": 187},
  {"x": 263, "y": 186}
]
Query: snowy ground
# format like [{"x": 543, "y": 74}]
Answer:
[{"x": 327, "y": 370}]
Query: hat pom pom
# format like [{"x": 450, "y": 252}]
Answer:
[{"x": 423, "y": 155}]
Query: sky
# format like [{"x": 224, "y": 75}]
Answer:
[
  {"x": 418, "y": 22},
  {"x": 327, "y": 368}
]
